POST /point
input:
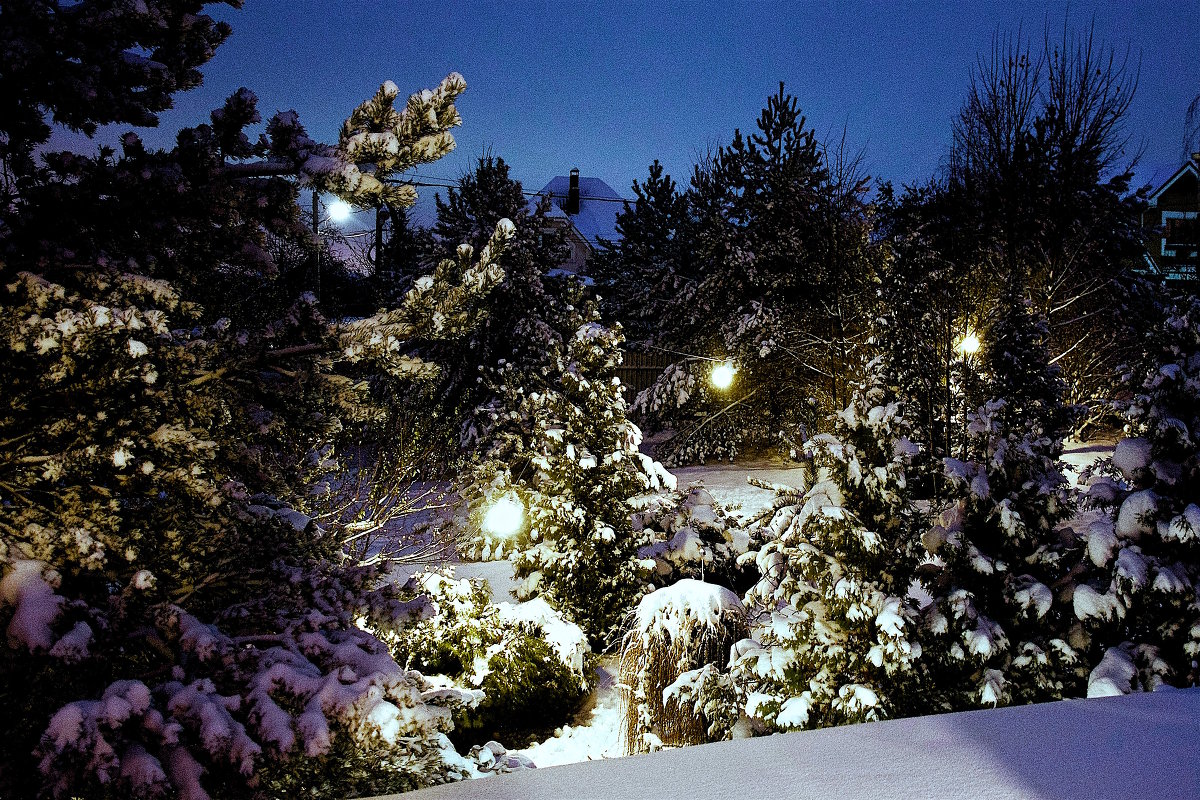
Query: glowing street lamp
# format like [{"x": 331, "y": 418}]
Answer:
[
  {"x": 722, "y": 375},
  {"x": 505, "y": 516},
  {"x": 968, "y": 345},
  {"x": 339, "y": 211}
]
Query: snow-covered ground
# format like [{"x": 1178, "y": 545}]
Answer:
[
  {"x": 728, "y": 482},
  {"x": 1136, "y": 746}
]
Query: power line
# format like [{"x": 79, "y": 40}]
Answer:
[{"x": 435, "y": 182}]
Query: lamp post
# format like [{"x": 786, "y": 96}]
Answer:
[
  {"x": 339, "y": 211},
  {"x": 966, "y": 346}
]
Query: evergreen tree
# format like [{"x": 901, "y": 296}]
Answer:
[
  {"x": 93, "y": 63},
  {"x": 1000, "y": 621},
  {"x": 568, "y": 455},
  {"x": 924, "y": 306},
  {"x": 527, "y": 317},
  {"x": 775, "y": 272},
  {"x": 1140, "y": 602},
  {"x": 637, "y": 275},
  {"x": 835, "y": 627},
  {"x": 382, "y": 142}
]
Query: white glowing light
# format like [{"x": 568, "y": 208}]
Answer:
[
  {"x": 968, "y": 345},
  {"x": 505, "y": 516},
  {"x": 339, "y": 211},
  {"x": 722, "y": 375}
]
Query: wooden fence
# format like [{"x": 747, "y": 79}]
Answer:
[{"x": 639, "y": 370}]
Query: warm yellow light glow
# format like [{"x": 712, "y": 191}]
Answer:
[
  {"x": 505, "y": 516},
  {"x": 722, "y": 375},
  {"x": 339, "y": 211},
  {"x": 968, "y": 345}
]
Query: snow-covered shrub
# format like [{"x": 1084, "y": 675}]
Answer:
[
  {"x": 570, "y": 457},
  {"x": 834, "y": 629},
  {"x": 1000, "y": 625},
  {"x": 671, "y": 657},
  {"x": 523, "y": 664},
  {"x": 692, "y": 536},
  {"x": 1140, "y": 602}
]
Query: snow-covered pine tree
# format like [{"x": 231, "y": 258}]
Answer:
[
  {"x": 174, "y": 625},
  {"x": 1140, "y": 602},
  {"x": 1000, "y": 619},
  {"x": 382, "y": 142},
  {"x": 835, "y": 632},
  {"x": 525, "y": 319},
  {"x": 568, "y": 454},
  {"x": 637, "y": 275},
  {"x": 923, "y": 299},
  {"x": 774, "y": 272},
  {"x": 146, "y": 53}
]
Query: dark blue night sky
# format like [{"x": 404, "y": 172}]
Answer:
[{"x": 609, "y": 88}]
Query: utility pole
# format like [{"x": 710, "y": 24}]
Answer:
[{"x": 316, "y": 229}]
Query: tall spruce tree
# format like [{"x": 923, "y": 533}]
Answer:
[
  {"x": 638, "y": 274},
  {"x": 1000, "y": 621},
  {"x": 776, "y": 266},
  {"x": 566, "y": 453},
  {"x": 528, "y": 316}
]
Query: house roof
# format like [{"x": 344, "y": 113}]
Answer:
[
  {"x": 599, "y": 205},
  {"x": 1189, "y": 166}
]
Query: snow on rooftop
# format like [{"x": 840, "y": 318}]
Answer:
[
  {"x": 1134, "y": 746},
  {"x": 599, "y": 205}
]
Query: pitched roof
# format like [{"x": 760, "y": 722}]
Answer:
[
  {"x": 1189, "y": 166},
  {"x": 599, "y": 205}
]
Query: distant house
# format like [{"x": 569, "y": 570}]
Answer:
[
  {"x": 1174, "y": 210},
  {"x": 587, "y": 208}
]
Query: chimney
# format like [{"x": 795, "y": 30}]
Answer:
[{"x": 572, "y": 206}]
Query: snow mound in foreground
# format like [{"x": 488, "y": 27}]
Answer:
[{"x": 1135, "y": 746}]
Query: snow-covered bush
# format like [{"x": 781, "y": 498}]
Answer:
[
  {"x": 671, "y": 661},
  {"x": 1140, "y": 602},
  {"x": 834, "y": 629},
  {"x": 570, "y": 457},
  {"x": 1000, "y": 624},
  {"x": 523, "y": 665},
  {"x": 692, "y": 536}
]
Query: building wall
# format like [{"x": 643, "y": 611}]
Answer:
[{"x": 1176, "y": 249}]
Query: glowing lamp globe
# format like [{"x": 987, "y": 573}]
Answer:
[
  {"x": 968, "y": 345},
  {"x": 722, "y": 375},
  {"x": 339, "y": 211},
  {"x": 505, "y": 516}
]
